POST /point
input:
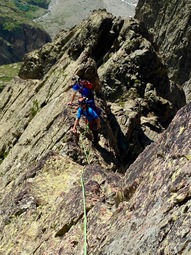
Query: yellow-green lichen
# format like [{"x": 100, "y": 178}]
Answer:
[
  {"x": 181, "y": 131},
  {"x": 176, "y": 174}
]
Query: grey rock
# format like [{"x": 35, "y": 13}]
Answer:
[
  {"x": 137, "y": 181},
  {"x": 170, "y": 23}
]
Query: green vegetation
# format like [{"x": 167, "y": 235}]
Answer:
[
  {"x": 16, "y": 16},
  {"x": 32, "y": 8},
  {"x": 7, "y": 73},
  {"x": 16, "y": 12},
  {"x": 3, "y": 154},
  {"x": 34, "y": 108}
]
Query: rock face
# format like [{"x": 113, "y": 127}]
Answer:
[
  {"x": 155, "y": 216},
  {"x": 147, "y": 211},
  {"x": 170, "y": 21},
  {"x": 44, "y": 166},
  {"x": 19, "y": 41},
  {"x": 132, "y": 75}
]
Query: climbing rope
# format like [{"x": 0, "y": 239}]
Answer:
[
  {"x": 83, "y": 145},
  {"x": 84, "y": 194},
  {"x": 83, "y": 188},
  {"x": 85, "y": 213}
]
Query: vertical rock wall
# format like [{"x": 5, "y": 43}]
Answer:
[{"x": 171, "y": 23}]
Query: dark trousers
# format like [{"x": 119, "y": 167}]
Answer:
[{"x": 93, "y": 127}]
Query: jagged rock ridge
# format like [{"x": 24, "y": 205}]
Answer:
[{"x": 42, "y": 160}]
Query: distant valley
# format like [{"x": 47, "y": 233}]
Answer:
[{"x": 19, "y": 34}]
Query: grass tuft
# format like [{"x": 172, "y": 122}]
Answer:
[{"x": 7, "y": 73}]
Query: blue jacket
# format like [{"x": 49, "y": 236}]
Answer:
[{"x": 85, "y": 92}]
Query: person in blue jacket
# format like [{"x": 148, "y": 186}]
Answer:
[
  {"x": 92, "y": 118},
  {"x": 84, "y": 92}
]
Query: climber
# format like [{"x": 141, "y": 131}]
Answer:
[
  {"x": 92, "y": 119},
  {"x": 85, "y": 88}
]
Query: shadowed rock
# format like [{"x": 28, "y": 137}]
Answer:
[{"x": 170, "y": 23}]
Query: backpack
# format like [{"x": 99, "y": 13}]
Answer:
[{"x": 86, "y": 84}]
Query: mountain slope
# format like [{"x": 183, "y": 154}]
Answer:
[
  {"x": 66, "y": 14},
  {"x": 18, "y": 33},
  {"x": 135, "y": 170}
]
